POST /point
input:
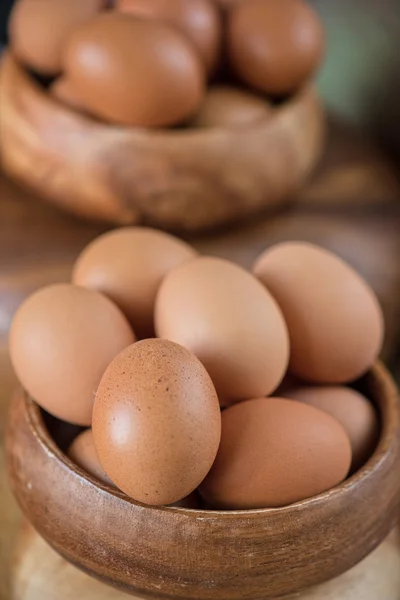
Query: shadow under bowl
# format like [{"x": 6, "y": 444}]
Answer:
[{"x": 197, "y": 554}]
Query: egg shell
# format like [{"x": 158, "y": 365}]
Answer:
[
  {"x": 62, "y": 338},
  {"x": 83, "y": 453},
  {"x": 138, "y": 72},
  {"x": 334, "y": 319},
  {"x": 222, "y": 314},
  {"x": 274, "y": 46},
  {"x": 353, "y": 411},
  {"x": 230, "y": 107},
  {"x": 198, "y": 20},
  {"x": 275, "y": 452},
  {"x": 39, "y": 30},
  {"x": 128, "y": 265},
  {"x": 63, "y": 91},
  {"x": 156, "y": 422}
]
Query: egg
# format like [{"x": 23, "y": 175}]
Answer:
[
  {"x": 274, "y": 46},
  {"x": 355, "y": 413},
  {"x": 275, "y": 452},
  {"x": 62, "y": 338},
  {"x": 62, "y": 90},
  {"x": 198, "y": 20},
  {"x": 334, "y": 319},
  {"x": 222, "y": 314},
  {"x": 39, "y": 30},
  {"x": 133, "y": 71},
  {"x": 230, "y": 107},
  {"x": 128, "y": 265},
  {"x": 156, "y": 422},
  {"x": 83, "y": 453}
]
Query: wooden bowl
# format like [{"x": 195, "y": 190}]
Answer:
[
  {"x": 186, "y": 179},
  {"x": 197, "y": 554}
]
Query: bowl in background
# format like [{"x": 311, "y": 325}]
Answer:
[{"x": 177, "y": 179}]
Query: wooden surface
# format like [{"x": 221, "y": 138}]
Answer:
[
  {"x": 186, "y": 180},
  {"x": 39, "y": 573},
  {"x": 351, "y": 205}
]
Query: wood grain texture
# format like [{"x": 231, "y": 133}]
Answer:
[
  {"x": 186, "y": 180},
  {"x": 351, "y": 206},
  {"x": 9, "y": 512},
  {"x": 39, "y": 573},
  {"x": 177, "y": 553}
]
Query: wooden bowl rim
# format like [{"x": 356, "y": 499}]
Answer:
[
  {"x": 174, "y": 134},
  {"x": 389, "y": 414}
]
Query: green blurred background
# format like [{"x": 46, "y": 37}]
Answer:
[{"x": 361, "y": 75}]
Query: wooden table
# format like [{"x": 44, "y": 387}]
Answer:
[{"x": 352, "y": 201}]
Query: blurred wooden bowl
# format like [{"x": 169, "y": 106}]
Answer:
[
  {"x": 182, "y": 179},
  {"x": 196, "y": 554}
]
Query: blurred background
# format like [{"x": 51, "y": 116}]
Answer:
[
  {"x": 351, "y": 204},
  {"x": 361, "y": 74}
]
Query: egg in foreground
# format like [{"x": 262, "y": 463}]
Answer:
[
  {"x": 156, "y": 422},
  {"x": 275, "y": 452},
  {"x": 61, "y": 340}
]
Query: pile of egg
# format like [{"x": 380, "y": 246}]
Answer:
[
  {"x": 160, "y": 63},
  {"x": 196, "y": 379}
]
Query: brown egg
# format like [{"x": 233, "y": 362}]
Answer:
[
  {"x": 128, "y": 265},
  {"x": 275, "y": 452},
  {"x": 353, "y": 411},
  {"x": 226, "y": 106},
  {"x": 227, "y": 319},
  {"x": 156, "y": 422},
  {"x": 198, "y": 20},
  {"x": 39, "y": 30},
  {"x": 334, "y": 319},
  {"x": 83, "y": 453},
  {"x": 62, "y": 338},
  {"x": 62, "y": 90},
  {"x": 134, "y": 71},
  {"x": 275, "y": 46}
]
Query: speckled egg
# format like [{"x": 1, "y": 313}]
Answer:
[{"x": 156, "y": 422}]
